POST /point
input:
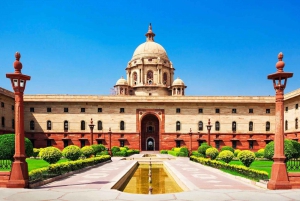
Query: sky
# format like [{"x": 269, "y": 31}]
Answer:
[{"x": 218, "y": 47}]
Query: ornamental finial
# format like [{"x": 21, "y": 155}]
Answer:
[
  {"x": 280, "y": 64},
  {"x": 150, "y": 35},
  {"x": 17, "y": 63}
]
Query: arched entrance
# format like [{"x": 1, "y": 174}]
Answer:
[{"x": 150, "y": 133}]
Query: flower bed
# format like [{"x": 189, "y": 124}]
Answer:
[{"x": 255, "y": 174}]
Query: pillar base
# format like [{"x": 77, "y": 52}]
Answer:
[
  {"x": 279, "y": 177},
  {"x": 18, "y": 175}
]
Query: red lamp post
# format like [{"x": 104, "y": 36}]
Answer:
[
  {"x": 92, "y": 128},
  {"x": 279, "y": 177},
  {"x": 19, "y": 172},
  {"x": 208, "y": 131},
  {"x": 190, "y": 133}
]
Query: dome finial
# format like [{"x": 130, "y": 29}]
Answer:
[
  {"x": 150, "y": 35},
  {"x": 17, "y": 63},
  {"x": 280, "y": 64}
]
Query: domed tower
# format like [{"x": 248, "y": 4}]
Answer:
[
  {"x": 178, "y": 87},
  {"x": 121, "y": 87},
  {"x": 150, "y": 72}
]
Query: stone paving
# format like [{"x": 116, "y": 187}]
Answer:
[{"x": 205, "y": 183}]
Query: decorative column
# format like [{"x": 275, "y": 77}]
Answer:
[
  {"x": 208, "y": 131},
  {"x": 19, "y": 172},
  {"x": 92, "y": 128},
  {"x": 279, "y": 176}
]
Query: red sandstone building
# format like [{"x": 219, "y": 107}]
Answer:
[{"x": 150, "y": 111}]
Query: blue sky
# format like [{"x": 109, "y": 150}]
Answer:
[{"x": 217, "y": 47}]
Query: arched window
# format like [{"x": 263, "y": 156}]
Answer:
[
  {"x": 267, "y": 126},
  {"x": 122, "y": 125},
  {"x": 134, "y": 78},
  {"x": 66, "y": 125},
  {"x": 82, "y": 125},
  {"x": 3, "y": 122},
  {"x": 49, "y": 125},
  {"x": 217, "y": 126},
  {"x": 178, "y": 126},
  {"x": 200, "y": 126},
  {"x": 296, "y": 123},
  {"x": 31, "y": 124},
  {"x": 233, "y": 126},
  {"x": 250, "y": 126},
  {"x": 165, "y": 78},
  {"x": 150, "y": 77},
  {"x": 99, "y": 125},
  {"x": 286, "y": 125},
  {"x": 13, "y": 123}
]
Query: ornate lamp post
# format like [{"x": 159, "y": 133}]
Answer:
[
  {"x": 279, "y": 177},
  {"x": 190, "y": 133},
  {"x": 208, "y": 130},
  {"x": 92, "y": 128},
  {"x": 19, "y": 172}
]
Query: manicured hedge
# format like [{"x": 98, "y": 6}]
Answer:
[
  {"x": 202, "y": 149},
  {"x": 62, "y": 168},
  {"x": 289, "y": 150},
  {"x": 71, "y": 152},
  {"x": 255, "y": 174},
  {"x": 51, "y": 154},
  {"x": 226, "y": 156},
  {"x": 163, "y": 151}
]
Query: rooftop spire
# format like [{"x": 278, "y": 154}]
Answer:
[{"x": 150, "y": 35}]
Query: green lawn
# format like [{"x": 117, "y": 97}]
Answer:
[{"x": 257, "y": 165}]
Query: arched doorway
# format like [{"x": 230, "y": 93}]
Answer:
[{"x": 150, "y": 133}]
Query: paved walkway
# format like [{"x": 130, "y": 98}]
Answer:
[{"x": 204, "y": 183}]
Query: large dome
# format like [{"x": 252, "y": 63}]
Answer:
[{"x": 149, "y": 49}]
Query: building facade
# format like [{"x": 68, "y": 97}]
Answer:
[{"x": 150, "y": 111}]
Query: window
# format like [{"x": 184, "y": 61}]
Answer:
[
  {"x": 250, "y": 110},
  {"x": 82, "y": 125},
  {"x": 200, "y": 126},
  {"x": 31, "y": 124},
  {"x": 49, "y": 143},
  {"x": 178, "y": 126},
  {"x": 286, "y": 125},
  {"x": 250, "y": 126},
  {"x": 233, "y": 110},
  {"x": 12, "y": 107},
  {"x": 121, "y": 143},
  {"x": 217, "y": 126},
  {"x": 66, "y": 143},
  {"x": 122, "y": 125},
  {"x": 200, "y": 142},
  {"x": 31, "y": 109},
  {"x": 178, "y": 142},
  {"x": 99, "y": 125},
  {"x": 66, "y": 125},
  {"x": 234, "y": 144},
  {"x": 251, "y": 144},
  {"x": 217, "y": 144},
  {"x": 13, "y": 123},
  {"x": 286, "y": 109},
  {"x": 267, "y": 126},
  {"x": 296, "y": 123},
  {"x": 82, "y": 109},
  {"x": 268, "y": 111},
  {"x": 3, "y": 122},
  {"x": 99, "y": 109},
  {"x": 200, "y": 110},
  {"x": 48, "y": 109},
  {"x": 217, "y": 110},
  {"x": 233, "y": 126},
  {"x": 99, "y": 141},
  {"x": 122, "y": 110},
  {"x": 177, "y": 110},
  {"x": 296, "y": 106},
  {"x": 2, "y": 104},
  {"x": 48, "y": 125},
  {"x": 66, "y": 109},
  {"x": 82, "y": 143}
]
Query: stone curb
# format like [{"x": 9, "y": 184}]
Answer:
[{"x": 47, "y": 181}]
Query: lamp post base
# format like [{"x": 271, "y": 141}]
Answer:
[
  {"x": 279, "y": 178},
  {"x": 19, "y": 175}
]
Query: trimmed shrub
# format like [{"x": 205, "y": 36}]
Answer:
[
  {"x": 163, "y": 151},
  {"x": 173, "y": 153},
  {"x": 176, "y": 149},
  {"x": 35, "y": 152},
  {"x": 227, "y": 148},
  {"x": 98, "y": 148},
  {"x": 236, "y": 152},
  {"x": 126, "y": 147},
  {"x": 71, "y": 152},
  {"x": 102, "y": 153},
  {"x": 7, "y": 147},
  {"x": 226, "y": 156},
  {"x": 184, "y": 150},
  {"x": 87, "y": 151},
  {"x": 197, "y": 154},
  {"x": 51, "y": 154},
  {"x": 120, "y": 153},
  {"x": 202, "y": 149},
  {"x": 289, "y": 150},
  {"x": 260, "y": 153},
  {"x": 212, "y": 153},
  {"x": 115, "y": 149},
  {"x": 246, "y": 157},
  {"x": 123, "y": 149},
  {"x": 296, "y": 145}
]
